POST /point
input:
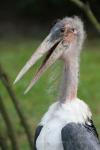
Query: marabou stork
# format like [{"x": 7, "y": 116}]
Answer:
[{"x": 67, "y": 125}]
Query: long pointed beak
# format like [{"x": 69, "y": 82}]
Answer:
[
  {"x": 53, "y": 47},
  {"x": 46, "y": 46},
  {"x": 48, "y": 62}
]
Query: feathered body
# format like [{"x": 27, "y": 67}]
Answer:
[
  {"x": 63, "y": 122},
  {"x": 67, "y": 125}
]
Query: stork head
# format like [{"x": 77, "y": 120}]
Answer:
[{"x": 66, "y": 36}]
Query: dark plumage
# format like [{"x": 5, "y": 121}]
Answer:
[
  {"x": 37, "y": 132},
  {"x": 80, "y": 137}
]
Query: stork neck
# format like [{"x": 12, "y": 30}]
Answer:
[{"x": 70, "y": 80}]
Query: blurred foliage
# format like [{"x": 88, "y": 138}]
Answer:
[
  {"x": 43, "y": 9},
  {"x": 47, "y": 8},
  {"x": 36, "y": 102},
  {"x": 27, "y": 16}
]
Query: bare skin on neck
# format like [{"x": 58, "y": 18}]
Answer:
[{"x": 71, "y": 70}]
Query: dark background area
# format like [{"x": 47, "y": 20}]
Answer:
[{"x": 25, "y": 17}]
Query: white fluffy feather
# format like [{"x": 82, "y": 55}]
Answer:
[{"x": 57, "y": 116}]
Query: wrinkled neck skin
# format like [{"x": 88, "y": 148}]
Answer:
[{"x": 69, "y": 85}]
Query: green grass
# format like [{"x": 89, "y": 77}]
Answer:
[{"x": 14, "y": 54}]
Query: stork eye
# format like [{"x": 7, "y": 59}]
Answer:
[{"x": 62, "y": 30}]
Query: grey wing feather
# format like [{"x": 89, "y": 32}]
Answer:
[
  {"x": 78, "y": 137},
  {"x": 37, "y": 132},
  {"x": 91, "y": 128}
]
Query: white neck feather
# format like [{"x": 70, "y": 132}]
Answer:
[{"x": 75, "y": 111}]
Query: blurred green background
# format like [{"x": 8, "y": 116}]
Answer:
[{"x": 23, "y": 25}]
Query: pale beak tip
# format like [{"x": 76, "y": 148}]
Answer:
[
  {"x": 29, "y": 87},
  {"x": 19, "y": 76},
  {"x": 26, "y": 91},
  {"x": 15, "y": 81}
]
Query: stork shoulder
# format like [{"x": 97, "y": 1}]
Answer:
[{"x": 77, "y": 136}]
